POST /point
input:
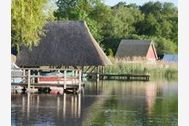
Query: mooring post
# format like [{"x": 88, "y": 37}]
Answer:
[
  {"x": 29, "y": 80},
  {"x": 38, "y": 74},
  {"x": 64, "y": 79},
  {"x": 80, "y": 72},
  {"x": 24, "y": 72},
  {"x": 97, "y": 74},
  {"x": 76, "y": 74},
  {"x": 102, "y": 72},
  {"x": 73, "y": 73}
]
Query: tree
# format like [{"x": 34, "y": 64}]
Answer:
[
  {"x": 164, "y": 46},
  {"x": 28, "y": 19},
  {"x": 161, "y": 20},
  {"x": 122, "y": 21},
  {"x": 149, "y": 26},
  {"x": 109, "y": 25}
]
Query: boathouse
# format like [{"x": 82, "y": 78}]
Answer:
[
  {"x": 68, "y": 43},
  {"x": 170, "y": 58},
  {"x": 67, "y": 46},
  {"x": 136, "y": 49}
]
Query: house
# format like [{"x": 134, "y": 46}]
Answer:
[
  {"x": 135, "y": 49},
  {"x": 170, "y": 58},
  {"x": 68, "y": 43}
]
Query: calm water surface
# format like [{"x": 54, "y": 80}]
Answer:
[{"x": 109, "y": 103}]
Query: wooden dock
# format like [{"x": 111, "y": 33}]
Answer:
[
  {"x": 125, "y": 77},
  {"x": 31, "y": 80},
  {"x": 128, "y": 77}
]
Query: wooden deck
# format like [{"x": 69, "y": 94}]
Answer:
[
  {"x": 128, "y": 77},
  {"x": 125, "y": 77},
  {"x": 38, "y": 81},
  {"x": 74, "y": 85}
]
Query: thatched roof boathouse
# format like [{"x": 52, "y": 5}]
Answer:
[
  {"x": 68, "y": 43},
  {"x": 144, "y": 49}
]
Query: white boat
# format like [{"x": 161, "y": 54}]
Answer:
[
  {"x": 32, "y": 90},
  {"x": 17, "y": 89},
  {"x": 15, "y": 73}
]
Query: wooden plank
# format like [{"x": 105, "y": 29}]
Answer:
[
  {"x": 46, "y": 69},
  {"x": 128, "y": 77}
]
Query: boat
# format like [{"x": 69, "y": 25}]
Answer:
[
  {"x": 17, "y": 89},
  {"x": 32, "y": 90},
  {"x": 15, "y": 73},
  {"x": 57, "y": 78}
]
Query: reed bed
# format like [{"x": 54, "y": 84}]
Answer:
[{"x": 154, "y": 68}]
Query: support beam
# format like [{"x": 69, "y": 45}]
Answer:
[
  {"x": 29, "y": 81},
  {"x": 65, "y": 79},
  {"x": 79, "y": 89},
  {"x": 92, "y": 69},
  {"x": 97, "y": 74}
]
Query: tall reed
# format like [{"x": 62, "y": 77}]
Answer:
[{"x": 154, "y": 68}]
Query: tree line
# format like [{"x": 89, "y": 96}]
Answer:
[{"x": 109, "y": 24}]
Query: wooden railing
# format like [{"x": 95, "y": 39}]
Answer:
[{"x": 29, "y": 77}]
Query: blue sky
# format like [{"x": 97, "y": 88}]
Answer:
[{"x": 138, "y": 2}]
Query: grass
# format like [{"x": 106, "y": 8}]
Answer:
[{"x": 155, "y": 69}]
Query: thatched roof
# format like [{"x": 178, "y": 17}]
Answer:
[
  {"x": 134, "y": 48},
  {"x": 67, "y": 43}
]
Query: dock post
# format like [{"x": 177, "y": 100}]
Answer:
[
  {"x": 29, "y": 80},
  {"x": 97, "y": 74},
  {"x": 102, "y": 72},
  {"x": 38, "y": 74},
  {"x": 76, "y": 74},
  {"x": 64, "y": 79},
  {"x": 24, "y": 74},
  {"x": 79, "y": 80}
]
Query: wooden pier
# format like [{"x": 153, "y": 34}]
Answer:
[
  {"x": 128, "y": 77},
  {"x": 31, "y": 77},
  {"x": 125, "y": 77}
]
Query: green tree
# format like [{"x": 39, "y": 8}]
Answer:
[
  {"x": 122, "y": 21},
  {"x": 149, "y": 26},
  {"x": 154, "y": 20},
  {"x": 164, "y": 46},
  {"x": 28, "y": 19}
]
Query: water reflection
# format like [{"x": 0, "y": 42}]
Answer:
[
  {"x": 150, "y": 92},
  {"x": 134, "y": 103},
  {"x": 28, "y": 106},
  {"x": 33, "y": 108},
  {"x": 151, "y": 103}
]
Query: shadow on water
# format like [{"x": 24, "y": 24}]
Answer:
[{"x": 116, "y": 103}]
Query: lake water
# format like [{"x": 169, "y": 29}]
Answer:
[{"x": 108, "y": 103}]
